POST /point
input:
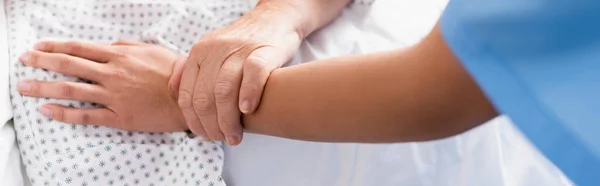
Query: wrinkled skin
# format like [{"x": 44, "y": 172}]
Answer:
[{"x": 227, "y": 70}]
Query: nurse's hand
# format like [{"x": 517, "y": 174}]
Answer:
[
  {"x": 131, "y": 81},
  {"x": 227, "y": 70}
]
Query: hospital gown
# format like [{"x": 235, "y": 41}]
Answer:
[{"x": 56, "y": 153}]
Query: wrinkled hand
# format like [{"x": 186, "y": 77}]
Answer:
[
  {"x": 131, "y": 80},
  {"x": 228, "y": 69}
]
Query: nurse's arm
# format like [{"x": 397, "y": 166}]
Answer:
[{"x": 415, "y": 94}]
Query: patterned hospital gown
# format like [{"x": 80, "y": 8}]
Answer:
[{"x": 56, "y": 153}]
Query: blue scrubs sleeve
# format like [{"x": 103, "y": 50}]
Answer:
[{"x": 538, "y": 61}]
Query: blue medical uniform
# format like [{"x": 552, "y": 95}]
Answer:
[{"x": 538, "y": 61}]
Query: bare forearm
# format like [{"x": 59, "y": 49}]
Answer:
[
  {"x": 310, "y": 14},
  {"x": 421, "y": 93}
]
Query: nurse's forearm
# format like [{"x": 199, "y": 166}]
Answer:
[
  {"x": 420, "y": 93},
  {"x": 310, "y": 14}
]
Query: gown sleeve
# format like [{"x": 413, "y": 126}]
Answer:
[{"x": 538, "y": 61}]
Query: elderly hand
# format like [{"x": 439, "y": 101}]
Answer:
[
  {"x": 131, "y": 82},
  {"x": 228, "y": 68}
]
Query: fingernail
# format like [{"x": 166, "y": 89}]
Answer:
[
  {"x": 46, "y": 111},
  {"x": 39, "y": 46},
  {"x": 25, "y": 57},
  {"x": 245, "y": 107},
  {"x": 233, "y": 140},
  {"x": 24, "y": 86}
]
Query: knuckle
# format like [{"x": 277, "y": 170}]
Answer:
[
  {"x": 47, "y": 45},
  {"x": 34, "y": 59},
  {"x": 202, "y": 104},
  {"x": 85, "y": 118},
  {"x": 257, "y": 62},
  {"x": 185, "y": 99},
  {"x": 105, "y": 73},
  {"x": 67, "y": 90},
  {"x": 73, "y": 47},
  {"x": 258, "y": 66},
  {"x": 225, "y": 37},
  {"x": 229, "y": 121},
  {"x": 220, "y": 38},
  {"x": 225, "y": 91},
  {"x": 59, "y": 114},
  {"x": 211, "y": 36},
  {"x": 63, "y": 63},
  {"x": 117, "y": 74},
  {"x": 121, "y": 54},
  {"x": 35, "y": 88},
  {"x": 225, "y": 122},
  {"x": 200, "y": 46},
  {"x": 217, "y": 136}
]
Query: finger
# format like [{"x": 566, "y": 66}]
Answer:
[
  {"x": 226, "y": 97},
  {"x": 186, "y": 92},
  {"x": 94, "y": 52},
  {"x": 204, "y": 97},
  {"x": 91, "y": 116},
  {"x": 129, "y": 42},
  {"x": 205, "y": 108},
  {"x": 64, "y": 64},
  {"x": 257, "y": 68},
  {"x": 65, "y": 90},
  {"x": 175, "y": 79}
]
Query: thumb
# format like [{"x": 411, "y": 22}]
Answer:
[
  {"x": 175, "y": 79},
  {"x": 257, "y": 68}
]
